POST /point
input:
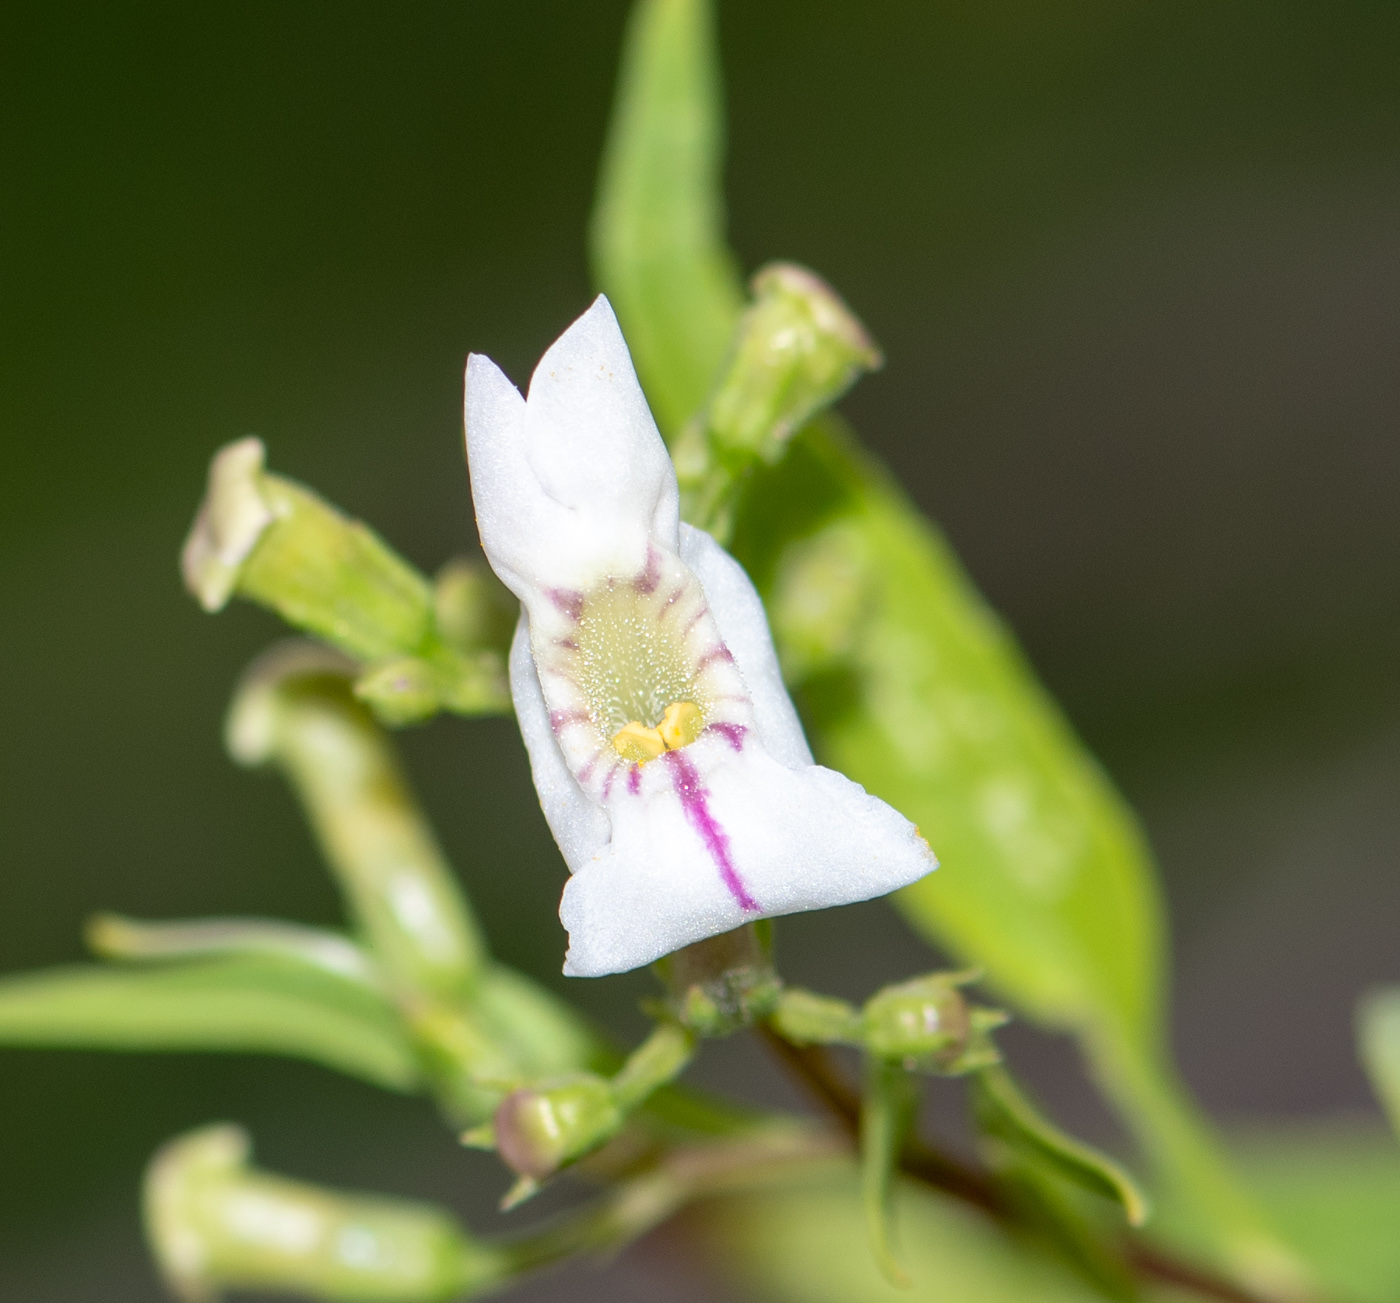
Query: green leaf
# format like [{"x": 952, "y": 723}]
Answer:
[
  {"x": 254, "y": 1005},
  {"x": 1378, "y": 1033},
  {"x": 805, "y": 1246},
  {"x": 909, "y": 683},
  {"x": 1333, "y": 1187},
  {"x": 658, "y": 226},
  {"x": 1007, "y": 1118},
  {"x": 114, "y": 936}
]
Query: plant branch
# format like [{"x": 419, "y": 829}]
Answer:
[{"x": 815, "y": 1070}]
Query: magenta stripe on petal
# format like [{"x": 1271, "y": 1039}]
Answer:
[
  {"x": 568, "y": 601},
  {"x": 695, "y": 803},
  {"x": 718, "y": 653},
  {"x": 731, "y": 733}
]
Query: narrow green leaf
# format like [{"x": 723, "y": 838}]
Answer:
[
  {"x": 1006, "y": 1117},
  {"x": 254, "y": 1005},
  {"x": 886, "y": 1115},
  {"x": 658, "y": 226},
  {"x": 1378, "y": 1034},
  {"x": 114, "y": 936}
]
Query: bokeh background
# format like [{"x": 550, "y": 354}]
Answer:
[{"x": 1136, "y": 268}]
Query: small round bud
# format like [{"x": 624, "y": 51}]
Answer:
[
  {"x": 542, "y": 1128},
  {"x": 923, "y": 1023}
]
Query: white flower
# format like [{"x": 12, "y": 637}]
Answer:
[{"x": 668, "y": 758}]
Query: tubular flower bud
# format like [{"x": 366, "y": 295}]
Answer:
[
  {"x": 668, "y": 758},
  {"x": 797, "y": 350},
  {"x": 270, "y": 540},
  {"x": 215, "y": 1223},
  {"x": 294, "y": 708}
]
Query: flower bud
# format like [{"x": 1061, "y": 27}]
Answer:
[
  {"x": 270, "y": 540},
  {"x": 294, "y": 707},
  {"x": 215, "y": 1223},
  {"x": 797, "y": 350},
  {"x": 923, "y": 1023},
  {"x": 541, "y": 1128}
]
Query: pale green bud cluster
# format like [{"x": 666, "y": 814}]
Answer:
[
  {"x": 215, "y": 1224},
  {"x": 420, "y": 647}
]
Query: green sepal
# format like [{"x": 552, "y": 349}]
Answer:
[
  {"x": 886, "y": 1118},
  {"x": 716, "y": 986},
  {"x": 246, "y": 1004},
  {"x": 1012, "y": 1128}
]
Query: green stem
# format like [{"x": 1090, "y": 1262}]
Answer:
[{"x": 1180, "y": 1141}]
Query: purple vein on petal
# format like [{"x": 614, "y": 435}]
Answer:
[
  {"x": 646, "y": 582},
  {"x": 717, "y": 653},
  {"x": 731, "y": 733},
  {"x": 568, "y": 601},
  {"x": 695, "y": 802}
]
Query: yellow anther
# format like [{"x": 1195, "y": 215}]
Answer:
[
  {"x": 680, "y": 725},
  {"x": 638, "y": 743}
]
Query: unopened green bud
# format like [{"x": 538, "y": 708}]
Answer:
[
  {"x": 922, "y": 1023},
  {"x": 295, "y": 707},
  {"x": 544, "y": 1127},
  {"x": 215, "y": 1223},
  {"x": 274, "y": 542},
  {"x": 797, "y": 350}
]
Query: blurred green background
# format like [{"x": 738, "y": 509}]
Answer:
[{"x": 1136, "y": 268}]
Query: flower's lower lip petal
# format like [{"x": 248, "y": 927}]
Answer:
[{"x": 795, "y": 840}]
